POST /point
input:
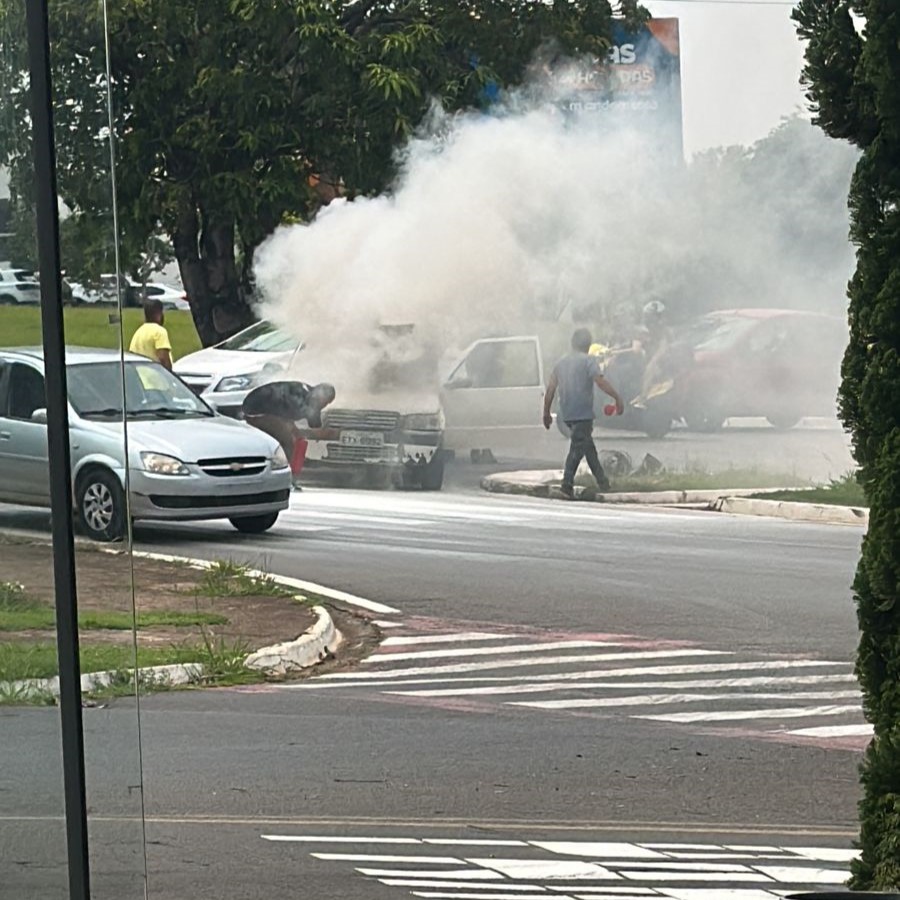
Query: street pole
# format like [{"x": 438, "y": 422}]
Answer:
[{"x": 58, "y": 444}]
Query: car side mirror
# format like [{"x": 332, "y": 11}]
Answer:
[{"x": 40, "y": 416}]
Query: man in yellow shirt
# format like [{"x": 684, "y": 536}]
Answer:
[{"x": 152, "y": 339}]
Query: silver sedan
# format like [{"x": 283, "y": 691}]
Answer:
[{"x": 184, "y": 461}]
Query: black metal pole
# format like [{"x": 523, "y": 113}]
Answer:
[{"x": 58, "y": 443}]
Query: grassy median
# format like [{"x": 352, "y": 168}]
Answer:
[{"x": 20, "y": 326}]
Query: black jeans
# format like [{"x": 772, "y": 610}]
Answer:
[{"x": 582, "y": 447}]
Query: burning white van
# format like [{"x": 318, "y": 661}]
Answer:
[{"x": 397, "y": 436}]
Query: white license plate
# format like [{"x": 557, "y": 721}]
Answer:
[{"x": 362, "y": 439}]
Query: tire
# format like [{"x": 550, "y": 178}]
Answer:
[
  {"x": 100, "y": 505},
  {"x": 433, "y": 476},
  {"x": 7, "y": 300},
  {"x": 254, "y": 524},
  {"x": 707, "y": 424},
  {"x": 783, "y": 421},
  {"x": 656, "y": 423}
]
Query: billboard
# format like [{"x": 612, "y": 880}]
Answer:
[{"x": 638, "y": 86}]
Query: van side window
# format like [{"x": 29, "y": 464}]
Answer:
[
  {"x": 499, "y": 364},
  {"x": 25, "y": 392}
]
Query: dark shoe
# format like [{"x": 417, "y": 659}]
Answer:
[
  {"x": 567, "y": 491},
  {"x": 604, "y": 486}
]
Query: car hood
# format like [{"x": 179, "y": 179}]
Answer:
[
  {"x": 213, "y": 361},
  {"x": 194, "y": 438}
]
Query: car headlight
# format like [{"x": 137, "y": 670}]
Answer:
[
  {"x": 280, "y": 460},
  {"x": 425, "y": 422},
  {"x": 160, "y": 464},
  {"x": 236, "y": 383}
]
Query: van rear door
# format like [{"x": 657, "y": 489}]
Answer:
[{"x": 494, "y": 394}]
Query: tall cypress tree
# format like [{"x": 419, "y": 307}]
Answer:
[{"x": 852, "y": 73}]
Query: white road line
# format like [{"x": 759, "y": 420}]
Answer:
[
  {"x": 718, "y": 894},
  {"x": 825, "y": 854},
  {"x": 538, "y": 687},
  {"x": 489, "y": 651},
  {"x": 437, "y": 895},
  {"x": 735, "y": 715},
  {"x": 755, "y": 848},
  {"x": 621, "y": 893},
  {"x": 673, "y": 875},
  {"x": 826, "y": 731},
  {"x": 597, "y": 849},
  {"x": 682, "y": 846},
  {"x": 473, "y": 874},
  {"x": 430, "y": 883},
  {"x": 383, "y": 624},
  {"x": 328, "y": 839},
  {"x": 802, "y": 875},
  {"x": 327, "y": 681},
  {"x": 462, "y": 842},
  {"x": 539, "y": 869},
  {"x": 518, "y": 663},
  {"x": 411, "y": 640},
  {"x": 668, "y": 699},
  {"x": 671, "y": 865},
  {"x": 632, "y": 892},
  {"x": 365, "y": 857}
]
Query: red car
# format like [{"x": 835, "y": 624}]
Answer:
[{"x": 781, "y": 364}]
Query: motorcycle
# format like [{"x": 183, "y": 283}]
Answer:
[{"x": 647, "y": 390}]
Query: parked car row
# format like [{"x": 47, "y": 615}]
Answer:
[{"x": 20, "y": 287}]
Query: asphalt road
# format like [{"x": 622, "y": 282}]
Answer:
[{"x": 555, "y": 584}]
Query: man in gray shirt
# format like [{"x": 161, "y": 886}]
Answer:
[{"x": 574, "y": 376}]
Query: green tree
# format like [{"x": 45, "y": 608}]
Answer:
[
  {"x": 853, "y": 77},
  {"x": 233, "y": 115}
]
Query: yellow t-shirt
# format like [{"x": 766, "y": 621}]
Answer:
[{"x": 149, "y": 338}]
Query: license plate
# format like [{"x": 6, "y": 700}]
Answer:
[{"x": 362, "y": 439}]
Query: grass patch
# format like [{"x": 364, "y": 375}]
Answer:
[
  {"x": 845, "y": 491},
  {"x": 14, "y": 598},
  {"x": 698, "y": 479},
  {"x": 225, "y": 578},
  {"x": 21, "y": 327},
  {"x": 41, "y": 617},
  {"x": 38, "y": 660}
]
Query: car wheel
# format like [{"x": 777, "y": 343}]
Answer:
[
  {"x": 656, "y": 423},
  {"x": 783, "y": 420},
  {"x": 433, "y": 476},
  {"x": 7, "y": 300},
  {"x": 254, "y": 524},
  {"x": 100, "y": 503},
  {"x": 706, "y": 423}
]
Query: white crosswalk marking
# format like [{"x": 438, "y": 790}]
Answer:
[
  {"x": 522, "y": 671},
  {"x": 588, "y": 869},
  {"x": 488, "y": 651},
  {"x": 733, "y": 715},
  {"x": 668, "y": 699}
]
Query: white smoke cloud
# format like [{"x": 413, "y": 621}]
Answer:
[{"x": 499, "y": 221}]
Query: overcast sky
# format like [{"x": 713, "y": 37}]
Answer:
[{"x": 740, "y": 67}]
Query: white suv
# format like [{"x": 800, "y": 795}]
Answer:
[{"x": 19, "y": 286}]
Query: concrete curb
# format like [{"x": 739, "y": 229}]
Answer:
[
  {"x": 311, "y": 647},
  {"x": 797, "y": 512},
  {"x": 314, "y": 645},
  {"x": 546, "y": 484}
]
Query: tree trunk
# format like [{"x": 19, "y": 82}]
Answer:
[{"x": 204, "y": 248}]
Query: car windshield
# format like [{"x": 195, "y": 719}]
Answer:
[
  {"x": 151, "y": 392},
  {"x": 263, "y": 337}
]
